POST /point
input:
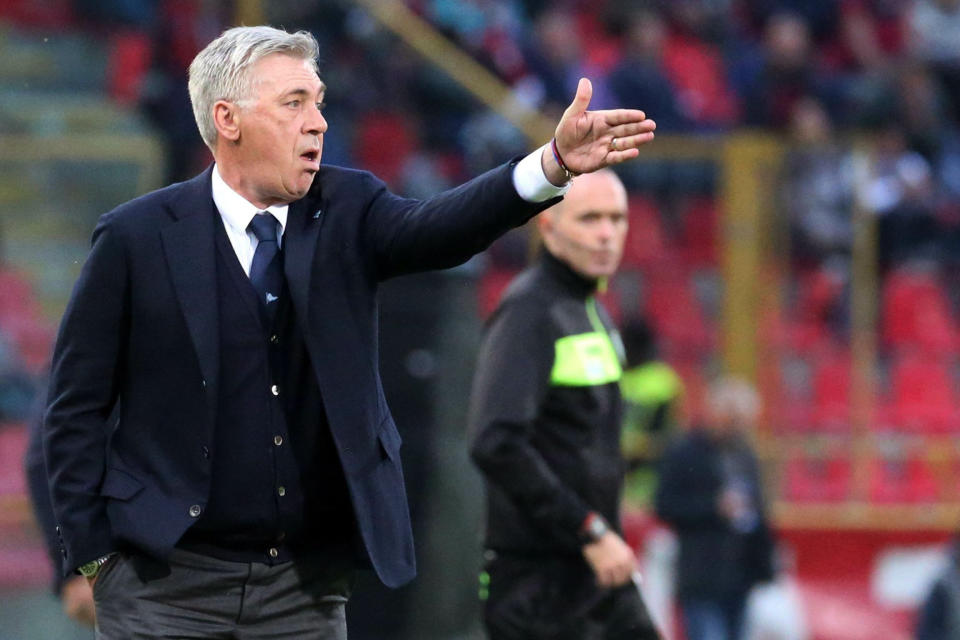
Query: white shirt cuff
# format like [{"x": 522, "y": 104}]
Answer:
[{"x": 531, "y": 182}]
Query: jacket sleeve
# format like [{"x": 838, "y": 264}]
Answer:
[
  {"x": 686, "y": 497},
  {"x": 409, "y": 235},
  {"x": 932, "y": 618},
  {"x": 83, "y": 390},
  {"x": 512, "y": 380},
  {"x": 36, "y": 476}
]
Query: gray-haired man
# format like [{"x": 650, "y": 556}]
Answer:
[{"x": 231, "y": 320}]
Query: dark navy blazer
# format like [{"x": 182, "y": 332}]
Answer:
[{"x": 140, "y": 332}]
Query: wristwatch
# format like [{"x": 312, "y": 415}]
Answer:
[
  {"x": 92, "y": 568},
  {"x": 593, "y": 528}
]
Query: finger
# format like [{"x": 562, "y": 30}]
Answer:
[
  {"x": 616, "y": 157},
  {"x": 632, "y": 129},
  {"x": 613, "y": 117},
  {"x": 580, "y": 101},
  {"x": 631, "y": 142}
]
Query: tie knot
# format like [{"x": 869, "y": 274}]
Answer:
[{"x": 264, "y": 226}]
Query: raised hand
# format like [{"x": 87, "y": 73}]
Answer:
[{"x": 591, "y": 140}]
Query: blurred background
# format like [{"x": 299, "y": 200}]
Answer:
[{"x": 796, "y": 223}]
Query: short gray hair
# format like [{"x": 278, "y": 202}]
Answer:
[
  {"x": 732, "y": 396},
  {"x": 221, "y": 70}
]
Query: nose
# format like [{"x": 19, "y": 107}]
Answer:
[
  {"x": 606, "y": 230},
  {"x": 315, "y": 123}
]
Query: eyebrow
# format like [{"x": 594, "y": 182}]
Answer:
[{"x": 302, "y": 91}]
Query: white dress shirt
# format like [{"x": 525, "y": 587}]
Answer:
[{"x": 236, "y": 212}]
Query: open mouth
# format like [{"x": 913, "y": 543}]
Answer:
[{"x": 312, "y": 158}]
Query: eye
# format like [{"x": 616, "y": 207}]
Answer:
[
  {"x": 321, "y": 106},
  {"x": 294, "y": 103}
]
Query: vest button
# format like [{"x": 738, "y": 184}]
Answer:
[
  {"x": 205, "y": 451},
  {"x": 278, "y": 440},
  {"x": 273, "y": 552},
  {"x": 274, "y": 339},
  {"x": 275, "y": 390},
  {"x": 282, "y": 491},
  {"x": 195, "y": 511}
]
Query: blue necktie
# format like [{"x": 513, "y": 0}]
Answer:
[{"x": 266, "y": 270}]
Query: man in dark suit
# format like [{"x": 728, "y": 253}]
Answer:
[{"x": 232, "y": 321}]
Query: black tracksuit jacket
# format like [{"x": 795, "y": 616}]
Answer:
[{"x": 546, "y": 412}]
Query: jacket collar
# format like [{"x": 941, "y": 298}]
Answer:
[{"x": 567, "y": 277}]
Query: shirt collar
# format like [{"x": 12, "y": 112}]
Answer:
[{"x": 236, "y": 210}]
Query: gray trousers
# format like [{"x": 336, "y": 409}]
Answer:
[{"x": 196, "y": 596}]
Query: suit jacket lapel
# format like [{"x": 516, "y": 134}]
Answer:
[
  {"x": 190, "y": 250},
  {"x": 300, "y": 244}
]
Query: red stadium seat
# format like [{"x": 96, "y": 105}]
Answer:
[
  {"x": 701, "y": 222},
  {"x": 695, "y": 68},
  {"x": 831, "y": 391},
  {"x": 383, "y": 143},
  {"x": 16, "y": 296},
  {"x": 923, "y": 399},
  {"x": 49, "y": 13},
  {"x": 915, "y": 313},
  {"x": 898, "y": 479},
  {"x": 817, "y": 479},
  {"x": 675, "y": 313},
  {"x": 13, "y": 445},
  {"x": 645, "y": 244},
  {"x": 492, "y": 285}
]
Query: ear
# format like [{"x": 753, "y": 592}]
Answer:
[
  {"x": 226, "y": 117},
  {"x": 545, "y": 222}
]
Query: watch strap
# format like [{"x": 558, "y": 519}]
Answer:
[
  {"x": 593, "y": 528},
  {"x": 92, "y": 568}
]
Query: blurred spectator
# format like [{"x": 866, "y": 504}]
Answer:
[
  {"x": 922, "y": 108},
  {"x": 772, "y": 83},
  {"x": 694, "y": 66},
  {"x": 710, "y": 494},
  {"x": 175, "y": 38},
  {"x": 651, "y": 391},
  {"x": 899, "y": 190},
  {"x": 933, "y": 32},
  {"x": 639, "y": 78},
  {"x": 19, "y": 318},
  {"x": 939, "y": 616},
  {"x": 820, "y": 16},
  {"x": 817, "y": 186},
  {"x": 869, "y": 34},
  {"x": 555, "y": 57}
]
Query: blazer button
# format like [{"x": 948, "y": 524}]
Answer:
[
  {"x": 205, "y": 451},
  {"x": 273, "y": 552},
  {"x": 275, "y": 390},
  {"x": 195, "y": 511}
]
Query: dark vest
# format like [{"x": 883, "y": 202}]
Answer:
[{"x": 277, "y": 487}]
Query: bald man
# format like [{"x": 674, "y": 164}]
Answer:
[{"x": 546, "y": 416}]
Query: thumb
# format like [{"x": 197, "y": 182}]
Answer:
[{"x": 582, "y": 100}]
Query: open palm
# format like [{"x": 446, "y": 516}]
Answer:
[{"x": 591, "y": 140}]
